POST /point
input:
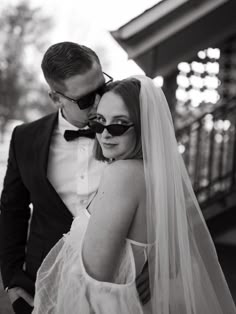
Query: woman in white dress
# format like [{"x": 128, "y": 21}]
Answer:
[{"x": 144, "y": 210}]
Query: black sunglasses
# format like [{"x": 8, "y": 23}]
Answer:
[
  {"x": 86, "y": 101},
  {"x": 113, "y": 129}
]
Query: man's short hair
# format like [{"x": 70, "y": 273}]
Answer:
[{"x": 66, "y": 59}]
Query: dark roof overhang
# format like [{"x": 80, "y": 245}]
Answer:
[{"x": 175, "y": 30}]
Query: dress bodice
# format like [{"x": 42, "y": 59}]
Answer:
[
  {"x": 64, "y": 285},
  {"x": 139, "y": 250}
]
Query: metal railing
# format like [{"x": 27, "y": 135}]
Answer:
[{"x": 209, "y": 151}]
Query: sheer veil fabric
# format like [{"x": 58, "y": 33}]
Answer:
[{"x": 185, "y": 275}]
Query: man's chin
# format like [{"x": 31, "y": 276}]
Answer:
[{"x": 79, "y": 124}]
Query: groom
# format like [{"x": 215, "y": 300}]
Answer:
[{"x": 51, "y": 166}]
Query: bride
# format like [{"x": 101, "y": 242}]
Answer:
[{"x": 144, "y": 211}]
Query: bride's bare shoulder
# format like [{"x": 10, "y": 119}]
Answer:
[
  {"x": 123, "y": 170},
  {"x": 125, "y": 174}
]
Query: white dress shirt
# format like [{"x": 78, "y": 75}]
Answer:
[{"x": 72, "y": 169}]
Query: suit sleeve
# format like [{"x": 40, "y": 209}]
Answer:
[{"x": 14, "y": 220}]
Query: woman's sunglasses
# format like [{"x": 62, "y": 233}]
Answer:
[
  {"x": 88, "y": 100},
  {"x": 113, "y": 129}
]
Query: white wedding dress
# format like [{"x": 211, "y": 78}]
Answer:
[{"x": 64, "y": 286}]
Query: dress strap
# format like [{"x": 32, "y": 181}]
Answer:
[
  {"x": 138, "y": 243},
  {"x": 91, "y": 201}
]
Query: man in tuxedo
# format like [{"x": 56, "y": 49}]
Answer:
[{"x": 51, "y": 168}]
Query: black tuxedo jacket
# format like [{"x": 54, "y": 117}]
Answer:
[{"x": 26, "y": 183}]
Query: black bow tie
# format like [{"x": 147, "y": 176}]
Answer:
[{"x": 70, "y": 135}]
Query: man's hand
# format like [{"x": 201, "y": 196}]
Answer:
[
  {"x": 142, "y": 285},
  {"x": 17, "y": 292}
]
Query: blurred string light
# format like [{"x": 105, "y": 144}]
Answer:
[
  {"x": 184, "y": 67},
  {"x": 201, "y": 54},
  {"x": 195, "y": 96},
  {"x": 198, "y": 67},
  {"x": 211, "y": 82},
  {"x": 219, "y": 125},
  {"x": 181, "y": 94},
  {"x": 209, "y": 123},
  {"x": 181, "y": 148},
  {"x": 158, "y": 81},
  {"x": 210, "y": 96},
  {"x": 222, "y": 125},
  {"x": 212, "y": 67},
  {"x": 183, "y": 81},
  {"x": 198, "y": 81},
  {"x": 218, "y": 138},
  {"x": 213, "y": 53},
  {"x": 227, "y": 125}
]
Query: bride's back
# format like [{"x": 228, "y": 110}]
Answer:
[
  {"x": 138, "y": 228},
  {"x": 137, "y": 192}
]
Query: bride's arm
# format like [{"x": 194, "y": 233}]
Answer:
[{"x": 112, "y": 213}]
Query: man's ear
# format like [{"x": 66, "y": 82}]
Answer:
[{"x": 55, "y": 98}]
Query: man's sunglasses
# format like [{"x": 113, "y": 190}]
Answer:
[
  {"x": 87, "y": 101},
  {"x": 113, "y": 129}
]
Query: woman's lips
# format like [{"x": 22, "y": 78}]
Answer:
[{"x": 108, "y": 145}]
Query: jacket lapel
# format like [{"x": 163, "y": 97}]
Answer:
[
  {"x": 43, "y": 149},
  {"x": 43, "y": 144}
]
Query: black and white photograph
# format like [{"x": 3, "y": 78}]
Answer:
[{"x": 118, "y": 157}]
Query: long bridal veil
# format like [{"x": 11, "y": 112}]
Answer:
[{"x": 185, "y": 276}]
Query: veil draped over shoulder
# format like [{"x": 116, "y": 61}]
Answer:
[{"x": 184, "y": 271}]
